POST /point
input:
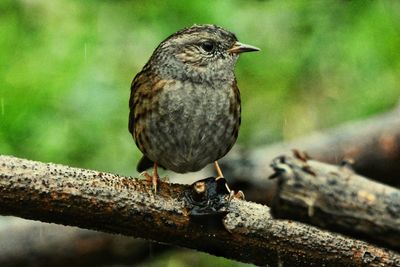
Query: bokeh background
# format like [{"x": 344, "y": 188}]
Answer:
[{"x": 66, "y": 68}]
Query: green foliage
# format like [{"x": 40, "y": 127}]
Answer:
[{"x": 66, "y": 67}]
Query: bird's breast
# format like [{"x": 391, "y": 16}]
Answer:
[
  {"x": 193, "y": 125},
  {"x": 193, "y": 103}
]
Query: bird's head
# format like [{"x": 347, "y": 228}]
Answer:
[{"x": 198, "y": 53}]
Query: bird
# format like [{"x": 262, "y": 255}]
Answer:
[{"x": 185, "y": 107}]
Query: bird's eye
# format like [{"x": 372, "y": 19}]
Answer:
[{"x": 208, "y": 46}]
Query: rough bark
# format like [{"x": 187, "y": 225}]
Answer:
[
  {"x": 124, "y": 205},
  {"x": 30, "y": 243},
  {"x": 336, "y": 198}
]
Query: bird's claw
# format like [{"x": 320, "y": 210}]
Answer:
[
  {"x": 153, "y": 179},
  {"x": 238, "y": 195}
]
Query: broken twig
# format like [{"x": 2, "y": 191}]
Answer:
[{"x": 335, "y": 198}]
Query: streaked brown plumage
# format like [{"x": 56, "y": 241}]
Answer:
[{"x": 185, "y": 103}]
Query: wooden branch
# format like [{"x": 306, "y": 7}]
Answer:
[
  {"x": 31, "y": 243},
  {"x": 124, "y": 205},
  {"x": 336, "y": 198},
  {"x": 373, "y": 144}
]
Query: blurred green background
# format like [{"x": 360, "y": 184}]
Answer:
[{"x": 66, "y": 68}]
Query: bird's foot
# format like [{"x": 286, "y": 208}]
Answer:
[
  {"x": 152, "y": 179},
  {"x": 164, "y": 179},
  {"x": 238, "y": 195}
]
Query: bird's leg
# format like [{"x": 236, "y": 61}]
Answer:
[
  {"x": 153, "y": 178},
  {"x": 218, "y": 170},
  {"x": 220, "y": 175},
  {"x": 232, "y": 194}
]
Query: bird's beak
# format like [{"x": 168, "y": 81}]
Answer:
[{"x": 238, "y": 48}]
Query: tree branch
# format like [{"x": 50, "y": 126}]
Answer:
[
  {"x": 336, "y": 198},
  {"x": 373, "y": 144},
  {"x": 111, "y": 203}
]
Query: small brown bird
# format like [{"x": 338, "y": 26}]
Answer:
[{"x": 185, "y": 103}]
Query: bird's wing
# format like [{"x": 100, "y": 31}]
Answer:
[
  {"x": 133, "y": 101},
  {"x": 144, "y": 97},
  {"x": 140, "y": 87},
  {"x": 142, "y": 101}
]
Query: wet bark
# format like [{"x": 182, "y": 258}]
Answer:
[
  {"x": 336, "y": 198},
  {"x": 124, "y": 205}
]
